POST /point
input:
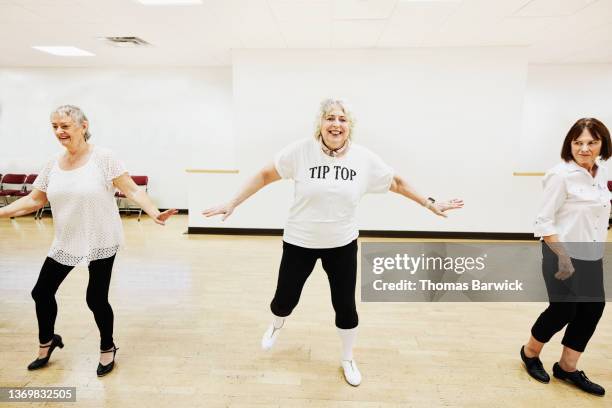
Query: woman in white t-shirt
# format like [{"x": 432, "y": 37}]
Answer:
[
  {"x": 80, "y": 185},
  {"x": 331, "y": 174},
  {"x": 573, "y": 223}
]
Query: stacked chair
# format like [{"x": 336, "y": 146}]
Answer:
[
  {"x": 11, "y": 185},
  {"x": 141, "y": 181},
  {"x": 20, "y": 185}
]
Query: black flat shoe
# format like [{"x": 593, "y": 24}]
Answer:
[
  {"x": 579, "y": 379},
  {"x": 534, "y": 367},
  {"x": 105, "y": 369},
  {"x": 41, "y": 362}
]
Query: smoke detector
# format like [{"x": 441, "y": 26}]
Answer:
[{"x": 126, "y": 42}]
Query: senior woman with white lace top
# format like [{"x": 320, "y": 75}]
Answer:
[{"x": 79, "y": 184}]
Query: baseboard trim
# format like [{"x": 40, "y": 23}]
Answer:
[
  {"x": 522, "y": 236},
  {"x": 180, "y": 210}
]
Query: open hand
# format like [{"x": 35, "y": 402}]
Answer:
[
  {"x": 162, "y": 217},
  {"x": 442, "y": 207},
  {"x": 225, "y": 209}
]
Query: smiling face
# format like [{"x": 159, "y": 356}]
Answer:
[
  {"x": 69, "y": 133},
  {"x": 335, "y": 128},
  {"x": 585, "y": 149}
]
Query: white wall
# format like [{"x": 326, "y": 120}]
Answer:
[
  {"x": 557, "y": 96},
  {"x": 446, "y": 119},
  {"x": 453, "y": 122},
  {"x": 158, "y": 121}
]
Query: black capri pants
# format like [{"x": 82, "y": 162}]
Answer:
[
  {"x": 577, "y": 302},
  {"x": 339, "y": 263}
]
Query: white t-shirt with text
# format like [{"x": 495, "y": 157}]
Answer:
[{"x": 327, "y": 191}]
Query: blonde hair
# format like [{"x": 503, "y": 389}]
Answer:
[
  {"x": 326, "y": 106},
  {"x": 75, "y": 113}
]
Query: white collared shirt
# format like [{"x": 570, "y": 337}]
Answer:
[{"x": 575, "y": 207}]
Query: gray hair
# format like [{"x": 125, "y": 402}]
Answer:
[
  {"x": 326, "y": 106},
  {"x": 75, "y": 113}
]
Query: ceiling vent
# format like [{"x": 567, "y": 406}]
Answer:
[{"x": 127, "y": 41}]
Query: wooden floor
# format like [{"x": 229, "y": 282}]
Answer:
[{"x": 190, "y": 311}]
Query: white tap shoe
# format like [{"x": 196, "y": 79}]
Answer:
[
  {"x": 351, "y": 372},
  {"x": 269, "y": 337}
]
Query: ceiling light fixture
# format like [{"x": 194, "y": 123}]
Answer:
[{"x": 125, "y": 42}]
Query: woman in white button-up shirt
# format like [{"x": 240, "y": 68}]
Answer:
[
  {"x": 572, "y": 222},
  {"x": 80, "y": 184}
]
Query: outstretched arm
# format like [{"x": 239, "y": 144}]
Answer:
[
  {"x": 25, "y": 205},
  {"x": 140, "y": 197},
  {"x": 400, "y": 186},
  {"x": 261, "y": 179}
]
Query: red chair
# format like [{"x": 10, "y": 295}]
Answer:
[
  {"x": 27, "y": 186},
  {"x": 142, "y": 181},
  {"x": 10, "y": 185}
]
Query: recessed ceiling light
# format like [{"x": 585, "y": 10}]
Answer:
[
  {"x": 65, "y": 51},
  {"x": 170, "y": 2}
]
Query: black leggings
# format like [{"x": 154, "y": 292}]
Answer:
[
  {"x": 580, "y": 316},
  {"x": 339, "y": 263},
  {"x": 51, "y": 276}
]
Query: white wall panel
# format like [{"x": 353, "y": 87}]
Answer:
[
  {"x": 158, "y": 121},
  {"x": 446, "y": 119}
]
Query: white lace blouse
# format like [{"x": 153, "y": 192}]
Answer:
[{"x": 85, "y": 215}]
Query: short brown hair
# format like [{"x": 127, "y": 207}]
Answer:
[{"x": 598, "y": 130}]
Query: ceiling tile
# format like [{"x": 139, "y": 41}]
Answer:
[
  {"x": 521, "y": 30},
  {"x": 313, "y": 11},
  {"x": 362, "y": 9},
  {"x": 412, "y": 23},
  {"x": 302, "y": 34},
  {"x": 255, "y": 25},
  {"x": 553, "y": 8},
  {"x": 11, "y": 13},
  {"x": 356, "y": 33}
]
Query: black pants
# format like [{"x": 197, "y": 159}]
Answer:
[
  {"x": 569, "y": 302},
  {"x": 52, "y": 275},
  {"x": 340, "y": 264}
]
